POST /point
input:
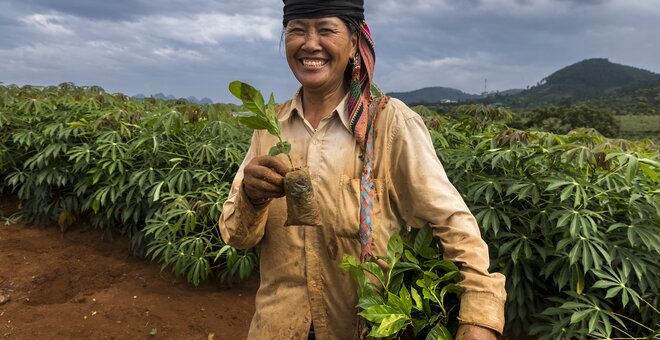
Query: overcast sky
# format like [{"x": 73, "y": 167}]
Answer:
[{"x": 196, "y": 47}]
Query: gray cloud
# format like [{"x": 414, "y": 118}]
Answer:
[
  {"x": 115, "y": 10},
  {"x": 197, "y": 47},
  {"x": 585, "y": 2},
  {"x": 512, "y": 43},
  {"x": 121, "y": 10}
]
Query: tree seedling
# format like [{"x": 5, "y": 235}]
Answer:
[
  {"x": 302, "y": 208},
  {"x": 260, "y": 116}
]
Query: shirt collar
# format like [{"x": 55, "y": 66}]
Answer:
[{"x": 296, "y": 108}]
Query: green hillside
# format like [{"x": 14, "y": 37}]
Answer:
[
  {"x": 435, "y": 94},
  {"x": 586, "y": 80}
]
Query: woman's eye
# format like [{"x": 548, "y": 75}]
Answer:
[{"x": 295, "y": 31}]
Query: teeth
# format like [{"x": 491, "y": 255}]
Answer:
[{"x": 313, "y": 62}]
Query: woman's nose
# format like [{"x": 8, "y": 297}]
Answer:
[{"x": 312, "y": 42}]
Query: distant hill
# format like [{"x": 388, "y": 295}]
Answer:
[
  {"x": 588, "y": 79},
  {"x": 161, "y": 95},
  {"x": 430, "y": 95},
  {"x": 204, "y": 100},
  {"x": 510, "y": 92}
]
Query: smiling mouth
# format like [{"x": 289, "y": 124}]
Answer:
[{"x": 313, "y": 62}]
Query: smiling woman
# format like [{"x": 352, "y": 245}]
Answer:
[
  {"x": 318, "y": 51},
  {"x": 374, "y": 171}
]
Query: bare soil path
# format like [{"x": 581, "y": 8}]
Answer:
[{"x": 79, "y": 286}]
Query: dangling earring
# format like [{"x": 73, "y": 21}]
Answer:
[{"x": 356, "y": 59}]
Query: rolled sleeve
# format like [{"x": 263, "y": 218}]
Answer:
[
  {"x": 424, "y": 195},
  {"x": 483, "y": 309}
]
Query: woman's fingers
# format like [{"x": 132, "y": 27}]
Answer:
[
  {"x": 273, "y": 163},
  {"x": 267, "y": 181},
  {"x": 269, "y": 176},
  {"x": 264, "y": 178}
]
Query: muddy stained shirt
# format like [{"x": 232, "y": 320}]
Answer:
[{"x": 300, "y": 278}]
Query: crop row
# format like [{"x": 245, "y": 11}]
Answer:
[
  {"x": 573, "y": 221},
  {"x": 156, "y": 171}
]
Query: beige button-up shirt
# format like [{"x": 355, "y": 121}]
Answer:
[{"x": 300, "y": 279}]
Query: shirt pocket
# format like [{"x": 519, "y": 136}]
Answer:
[{"x": 347, "y": 223}]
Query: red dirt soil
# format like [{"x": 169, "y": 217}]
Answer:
[{"x": 78, "y": 286}]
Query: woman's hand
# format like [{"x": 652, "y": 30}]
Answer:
[
  {"x": 474, "y": 332},
  {"x": 264, "y": 179}
]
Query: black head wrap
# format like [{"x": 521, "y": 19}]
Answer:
[{"x": 297, "y": 9}]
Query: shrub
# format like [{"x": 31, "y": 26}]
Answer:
[{"x": 563, "y": 119}]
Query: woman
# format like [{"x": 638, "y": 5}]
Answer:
[{"x": 373, "y": 169}]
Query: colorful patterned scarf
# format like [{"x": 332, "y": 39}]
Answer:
[
  {"x": 362, "y": 110},
  {"x": 359, "y": 97}
]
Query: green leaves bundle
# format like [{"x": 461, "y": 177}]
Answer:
[{"x": 415, "y": 296}]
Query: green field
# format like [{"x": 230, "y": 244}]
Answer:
[
  {"x": 571, "y": 219},
  {"x": 640, "y": 126}
]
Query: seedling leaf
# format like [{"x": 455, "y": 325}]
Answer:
[
  {"x": 251, "y": 97},
  {"x": 283, "y": 147},
  {"x": 254, "y": 122}
]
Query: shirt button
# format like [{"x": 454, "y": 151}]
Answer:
[{"x": 316, "y": 142}]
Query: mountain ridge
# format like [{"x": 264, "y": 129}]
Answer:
[
  {"x": 433, "y": 94},
  {"x": 163, "y": 96},
  {"x": 590, "y": 79},
  {"x": 587, "y": 79}
]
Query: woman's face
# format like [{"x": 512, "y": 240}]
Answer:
[{"x": 318, "y": 51}]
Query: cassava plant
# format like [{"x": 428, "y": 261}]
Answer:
[{"x": 302, "y": 209}]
